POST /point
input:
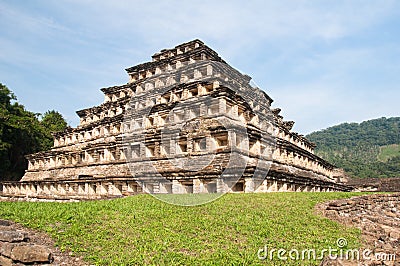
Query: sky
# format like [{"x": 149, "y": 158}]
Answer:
[{"x": 323, "y": 62}]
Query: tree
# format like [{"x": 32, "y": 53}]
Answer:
[
  {"x": 5, "y": 102},
  {"x": 22, "y": 133},
  {"x": 52, "y": 121}
]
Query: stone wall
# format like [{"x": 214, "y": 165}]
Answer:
[
  {"x": 15, "y": 248},
  {"x": 377, "y": 216},
  {"x": 375, "y": 184}
]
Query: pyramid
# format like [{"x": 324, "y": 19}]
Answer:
[{"x": 185, "y": 123}]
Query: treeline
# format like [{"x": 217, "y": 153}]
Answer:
[
  {"x": 356, "y": 147},
  {"x": 23, "y": 132}
]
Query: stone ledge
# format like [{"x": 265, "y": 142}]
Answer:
[
  {"x": 31, "y": 253},
  {"x": 15, "y": 248},
  {"x": 5, "y": 261},
  {"x": 11, "y": 236}
]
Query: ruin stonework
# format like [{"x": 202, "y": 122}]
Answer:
[
  {"x": 378, "y": 217},
  {"x": 174, "y": 128},
  {"x": 16, "y": 249},
  {"x": 389, "y": 184}
]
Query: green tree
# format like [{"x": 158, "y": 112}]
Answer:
[
  {"x": 52, "y": 121},
  {"x": 22, "y": 133},
  {"x": 5, "y": 103}
]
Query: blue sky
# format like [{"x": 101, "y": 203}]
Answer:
[{"x": 323, "y": 62}]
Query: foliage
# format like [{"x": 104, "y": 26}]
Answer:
[
  {"x": 142, "y": 230},
  {"x": 22, "y": 133},
  {"x": 358, "y": 148},
  {"x": 52, "y": 121}
]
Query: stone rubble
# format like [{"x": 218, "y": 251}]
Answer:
[
  {"x": 21, "y": 246},
  {"x": 377, "y": 216}
]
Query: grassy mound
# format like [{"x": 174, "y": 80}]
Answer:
[{"x": 143, "y": 230}]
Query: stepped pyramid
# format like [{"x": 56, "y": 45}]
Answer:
[{"x": 186, "y": 122}]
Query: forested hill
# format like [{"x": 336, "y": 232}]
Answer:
[{"x": 368, "y": 149}]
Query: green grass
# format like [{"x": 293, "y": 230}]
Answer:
[
  {"x": 389, "y": 151},
  {"x": 143, "y": 230}
]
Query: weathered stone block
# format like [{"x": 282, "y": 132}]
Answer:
[
  {"x": 395, "y": 235},
  {"x": 337, "y": 204},
  {"x": 10, "y": 236},
  {"x": 5, "y": 223},
  {"x": 5, "y": 261},
  {"x": 31, "y": 254},
  {"x": 6, "y": 248}
]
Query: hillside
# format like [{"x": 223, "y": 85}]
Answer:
[{"x": 368, "y": 149}]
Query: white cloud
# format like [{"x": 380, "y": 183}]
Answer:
[{"x": 232, "y": 22}]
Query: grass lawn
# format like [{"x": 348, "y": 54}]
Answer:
[
  {"x": 143, "y": 230},
  {"x": 388, "y": 151}
]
